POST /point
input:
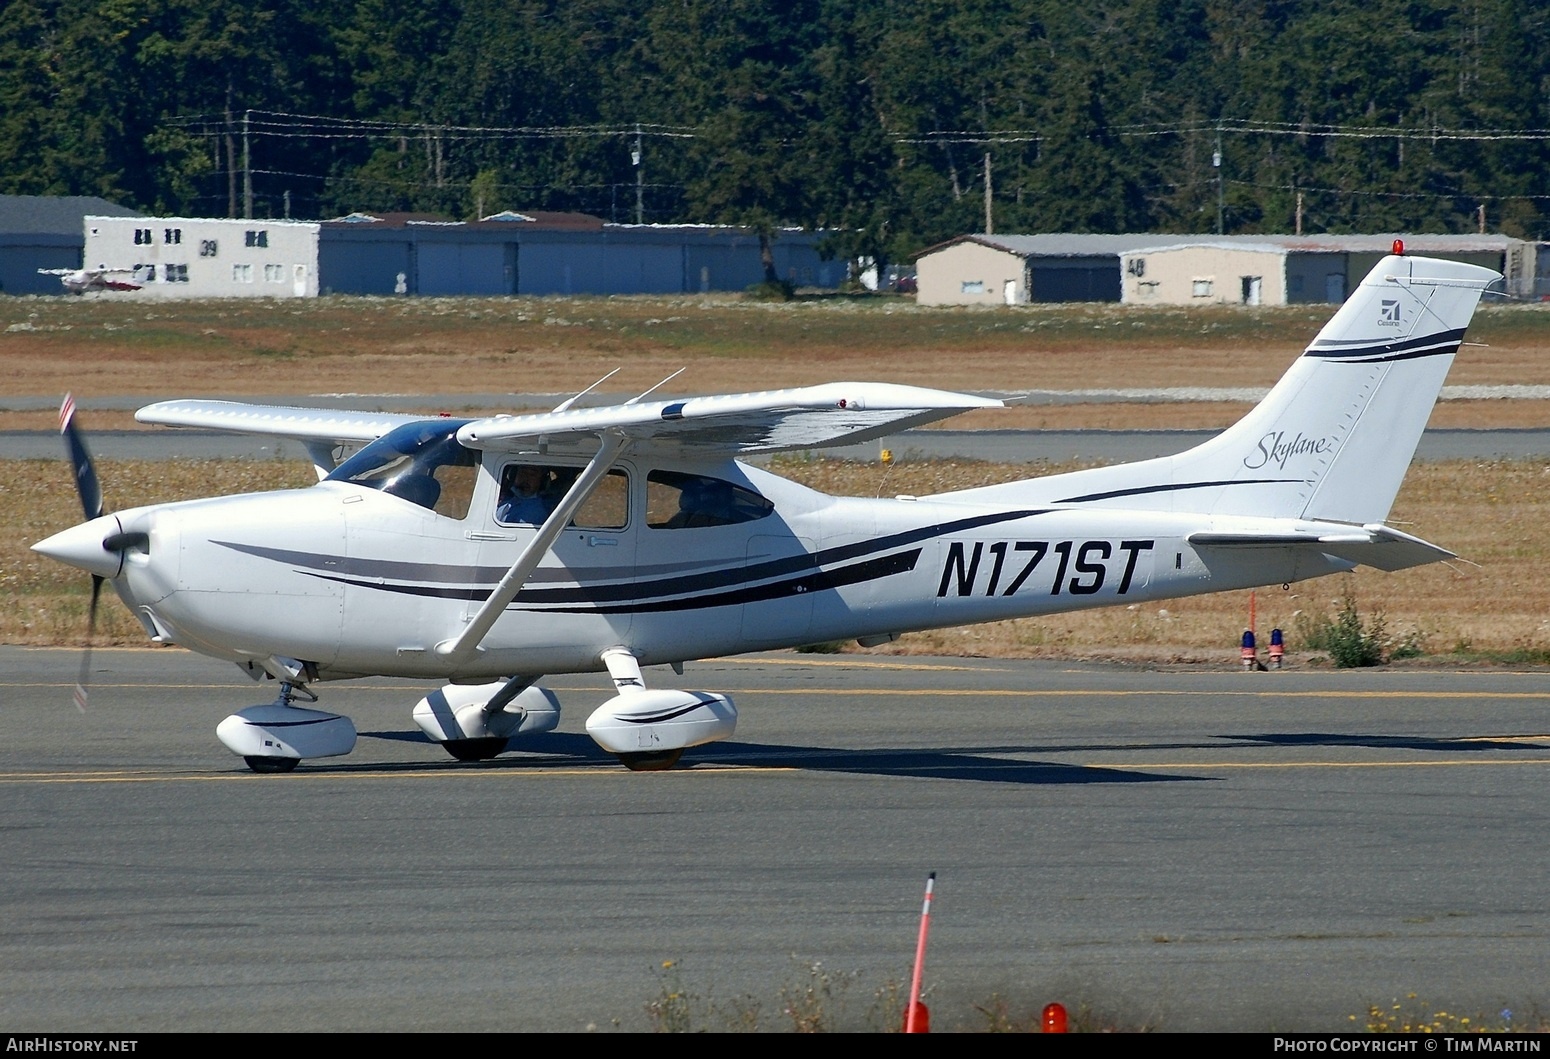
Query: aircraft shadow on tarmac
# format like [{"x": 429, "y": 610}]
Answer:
[
  {"x": 560, "y": 748},
  {"x": 1390, "y": 742}
]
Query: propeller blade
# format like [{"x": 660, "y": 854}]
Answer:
[
  {"x": 89, "y": 489},
  {"x": 84, "y": 679},
  {"x": 86, "y": 483}
]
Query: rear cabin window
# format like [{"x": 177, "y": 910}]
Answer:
[
  {"x": 529, "y": 493},
  {"x": 675, "y": 500}
]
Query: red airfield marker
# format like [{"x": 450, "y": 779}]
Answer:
[{"x": 916, "y": 1018}]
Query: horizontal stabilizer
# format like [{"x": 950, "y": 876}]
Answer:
[{"x": 1378, "y": 546}]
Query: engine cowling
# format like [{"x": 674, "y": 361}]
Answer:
[
  {"x": 456, "y": 711},
  {"x": 661, "y": 719}
]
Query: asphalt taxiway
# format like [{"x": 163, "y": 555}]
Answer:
[{"x": 1184, "y": 848}]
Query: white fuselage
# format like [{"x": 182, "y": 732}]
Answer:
[{"x": 360, "y": 582}]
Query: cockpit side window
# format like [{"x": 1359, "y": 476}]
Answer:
[
  {"x": 529, "y": 493},
  {"x": 418, "y": 462},
  {"x": 675, "y": 500}
]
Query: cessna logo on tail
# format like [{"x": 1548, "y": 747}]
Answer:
[
  {"x": 1274, "y": 448},
  {"x": 1388, "y": 313}
]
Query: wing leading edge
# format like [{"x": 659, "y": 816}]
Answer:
[
  {"x": 299, "y": 424},
  {"x": 770, "y": 421},
  {"x": 321, "y": 430}
]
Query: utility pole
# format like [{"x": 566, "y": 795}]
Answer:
[
  {"x": 1299, "y": 213},
  {"x": 231, "y": 158},
  {"x": 1480, "y": 213},
  {"x": 636, "y": 157},
  {"x": 990, "y": 224},
  {"x": 247, "y": 169},
  {"x": 1216, "y": 163}
]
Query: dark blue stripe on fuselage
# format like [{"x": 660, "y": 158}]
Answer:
[
  {"x": 817, "y": 581},
  {"x": 1144, "y": 489},
  {"x": 630, "y": 592}
]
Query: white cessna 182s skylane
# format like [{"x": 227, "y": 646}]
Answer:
[{"x": 487, "y": 553}]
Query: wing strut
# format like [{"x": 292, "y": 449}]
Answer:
[{"x": 461, "y": 647}]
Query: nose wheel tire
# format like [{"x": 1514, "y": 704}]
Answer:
[
  {"x": 482, "y": 749},
  {"x": 659, "y": 761},
  {"x": 272, "y": 764}
]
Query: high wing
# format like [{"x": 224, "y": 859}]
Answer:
[
  {"x": 322, "y": 431},
  {"x": 770, "y": 421}
]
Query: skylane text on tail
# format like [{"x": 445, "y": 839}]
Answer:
[{"x": 487, "y": 553}]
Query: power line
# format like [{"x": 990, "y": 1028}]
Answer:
[
  {"x": 970, "y": 136},
  {"x": 432, "y": 185},
  {"x": 1470, "y": 195},
  {"x": 282, "y": 125},
  {"x": 1357, "y": 132},
  {"x": 285, "y": 125}
]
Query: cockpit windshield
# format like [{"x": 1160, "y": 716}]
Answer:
[{"x": 422, "y": 463}]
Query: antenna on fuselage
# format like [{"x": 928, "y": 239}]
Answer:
[
  {"x": 563, "y": 405},
  {"x": 658, "y": 386}
]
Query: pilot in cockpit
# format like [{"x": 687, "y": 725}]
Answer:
[{"x": 522, "y": 496}]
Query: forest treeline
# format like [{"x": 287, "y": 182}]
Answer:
[{"x": 876, "y": 117}]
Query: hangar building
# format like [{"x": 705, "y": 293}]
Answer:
[
  {"x": 44, "y": 231},
  {"x": 1186, "y": 270},
  {"x": 508, "y": 253},
  {"x": 555, "y": 253},
  {"x": 201, "y": 257},
  {"x": 1293, "y": 270}
]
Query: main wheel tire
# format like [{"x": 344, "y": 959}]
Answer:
[
  {"x": 656, "y": 761},
  {"x": 475, "y": 749},
  {"x": 272, "y": 764}
]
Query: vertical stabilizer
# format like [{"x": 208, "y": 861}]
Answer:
[
  {"x": 1374, "y": 374},
  {"x": 1333, "y": 438}
]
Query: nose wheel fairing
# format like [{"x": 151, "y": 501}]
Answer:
[{"x": 279, "y": 731}]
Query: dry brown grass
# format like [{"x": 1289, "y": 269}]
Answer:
[
  {"x": 99, "y": 346},
  {"x": 1109, "y": 415},
  {"x": 1491, "y": 513}
]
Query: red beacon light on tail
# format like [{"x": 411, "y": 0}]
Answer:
[{"x": 1399, "y": 248}]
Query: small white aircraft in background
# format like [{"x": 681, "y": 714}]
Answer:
[
  {"x": 486, "y": 553},
  {"x": 82, "y": 280}
]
